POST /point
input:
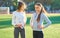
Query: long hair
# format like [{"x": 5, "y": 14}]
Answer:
[{"x": 39, "y": 4}]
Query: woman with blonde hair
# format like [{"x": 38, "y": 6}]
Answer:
[{"x": 19, "y": 20}]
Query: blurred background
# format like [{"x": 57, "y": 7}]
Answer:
[
  {"x": 8, "y": 6},
  {"x": 52, "y": 6}
]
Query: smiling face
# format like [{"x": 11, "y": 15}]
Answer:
[{"x": 37, "y": 8}]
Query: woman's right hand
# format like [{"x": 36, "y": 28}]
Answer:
[
  {"x": 31, "y": 26},
  {"x": 19, "y": 25}
]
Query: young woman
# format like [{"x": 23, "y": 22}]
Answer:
[
  {"x": 19, "y": 20},
  {"x": 37, "y": 20}
]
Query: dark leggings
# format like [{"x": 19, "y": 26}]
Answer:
[
  {"x": 37, "y": 34},
  {"x": 17, "y": 31}
]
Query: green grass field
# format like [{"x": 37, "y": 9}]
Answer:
[{"x": 53, "y": 31}]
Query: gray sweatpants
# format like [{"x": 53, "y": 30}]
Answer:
[{"x": 18, "y": 31}]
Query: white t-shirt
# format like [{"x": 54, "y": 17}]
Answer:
[{"x": 19, "y": 17}]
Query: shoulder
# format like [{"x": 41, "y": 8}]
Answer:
[
  {"x": 14, "y": 12},
  {"x": 43, "y": 14},
  {"x": 33, "y": 12}
]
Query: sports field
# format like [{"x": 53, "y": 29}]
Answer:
[{"x": 6, "y": 29}]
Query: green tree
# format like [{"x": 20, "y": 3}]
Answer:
[{"x": 55, "y": 4}]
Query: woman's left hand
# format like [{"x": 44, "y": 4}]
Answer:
[{"x": 40, "y": 26}]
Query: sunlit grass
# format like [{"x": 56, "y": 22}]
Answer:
[
  {"x": 52, "y": 31},
  {"x": 6, "y": 29}
]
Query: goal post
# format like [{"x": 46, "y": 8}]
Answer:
[{"x": 4, "y": 10}]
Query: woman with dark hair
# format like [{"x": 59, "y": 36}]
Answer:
[
  {"x": 37, "y": 20},
  {"x": 19, "y": 20}
]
